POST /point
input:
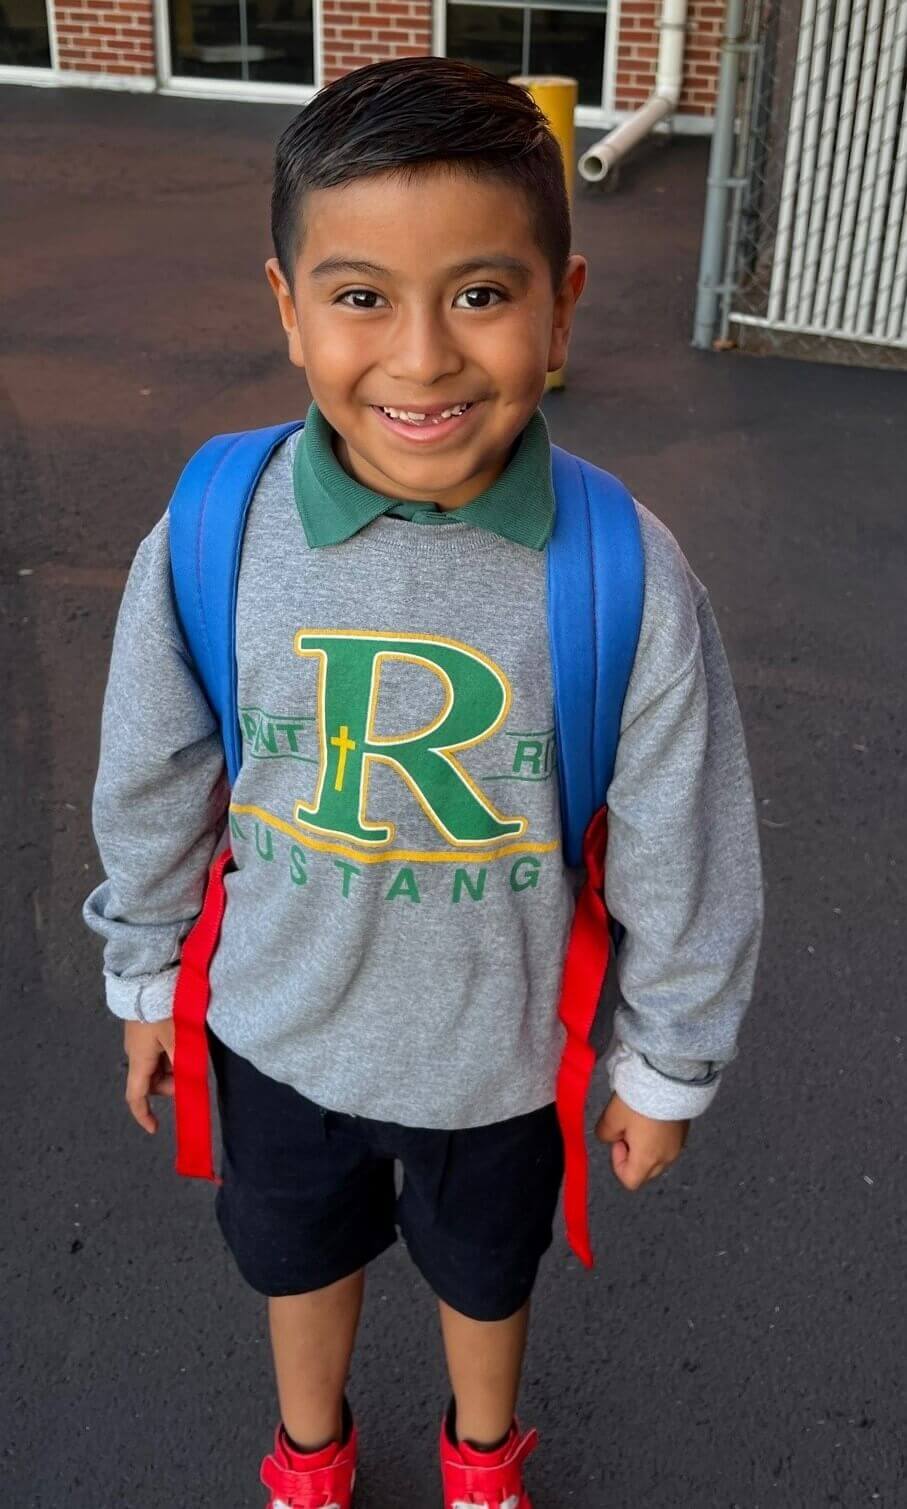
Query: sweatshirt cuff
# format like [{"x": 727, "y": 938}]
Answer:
[
  {"x": 650, "y": 1093},
  {"x": 144, "y": 998}
]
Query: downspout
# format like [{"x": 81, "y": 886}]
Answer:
[{"x": 597, "y": 163}]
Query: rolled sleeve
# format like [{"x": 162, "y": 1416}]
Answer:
[{"x": 683, "y": 875}]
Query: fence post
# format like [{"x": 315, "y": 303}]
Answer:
[{"x": 714, "y": 226}]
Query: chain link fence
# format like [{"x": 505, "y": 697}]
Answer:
[{"x": 812, "y": 184}]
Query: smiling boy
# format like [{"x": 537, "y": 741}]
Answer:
[{"x": 385, "y": 987}]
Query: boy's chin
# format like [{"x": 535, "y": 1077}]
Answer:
[
  {"x": 436, "y": 473},
  {"x": 426, "y": 477}
]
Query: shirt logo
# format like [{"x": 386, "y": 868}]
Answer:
[{"x": 476, "y": 700}]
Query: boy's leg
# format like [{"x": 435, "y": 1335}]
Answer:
[
  {"x": 484, "y": 1360},
  {"x": 476, "y": 1210},
  {"x": 312, "y": 1337}
]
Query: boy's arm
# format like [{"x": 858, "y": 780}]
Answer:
[
  {"x": 160, "y": 798},
  {"x": 683, "y": 868}
]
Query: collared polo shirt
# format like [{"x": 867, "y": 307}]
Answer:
[{"x": 333, "y": 506}]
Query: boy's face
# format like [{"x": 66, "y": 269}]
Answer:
[{"x": 420, "y": 296}]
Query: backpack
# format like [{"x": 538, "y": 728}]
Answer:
[{"x": 595, "y": 589}]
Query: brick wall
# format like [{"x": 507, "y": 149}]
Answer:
[
  {"x": 117, "y": 37},
  {"x": 106, "y": 36},
  {"x": 357, "y": 32},
  {"x": 637, "y": 54}
]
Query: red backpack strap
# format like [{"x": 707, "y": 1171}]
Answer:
[
  {"x": 207, "y": 520},
  {"x": 192, "y": 1105},
  {"x": 596, "y": 589},
  {"x": 585, "y": 967}
]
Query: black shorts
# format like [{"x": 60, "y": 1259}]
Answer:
[{"x": 309, "y": 1196}]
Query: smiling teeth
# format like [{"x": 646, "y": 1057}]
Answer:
[{"x": 410, "y": 416}]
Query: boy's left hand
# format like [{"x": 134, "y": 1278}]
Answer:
[{"x": 641, "y": 1148}]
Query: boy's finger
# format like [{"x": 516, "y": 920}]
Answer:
[
  {"x": 137, "y": 1082},
  {"x": 609, "y": 1127},
  {"x": 631, "y": 1170},
  {"x": 620, "y": 1153}
]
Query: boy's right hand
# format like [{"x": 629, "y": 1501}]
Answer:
[{"x": 149, "y": 1048}]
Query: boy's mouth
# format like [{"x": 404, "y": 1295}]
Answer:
[{"x": 426, "y": 423}]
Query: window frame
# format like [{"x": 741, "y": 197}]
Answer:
[
  {"x": 586, "y": 115},
  {"x": 252, "y": 90},
  {"x": 24, "y": 73}
]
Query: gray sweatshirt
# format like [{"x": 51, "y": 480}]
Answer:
[{"x": 397, "y": 920}]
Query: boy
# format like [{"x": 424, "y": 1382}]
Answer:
[{"x": 386, "y": 982}]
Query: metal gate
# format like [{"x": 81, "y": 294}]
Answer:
[{"x": 808, "y": 191}]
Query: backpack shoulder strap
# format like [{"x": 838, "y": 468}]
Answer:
[
  {"x": 596, "y": 585},
  {"x": 207, "y": 518}
]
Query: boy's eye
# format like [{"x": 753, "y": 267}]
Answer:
[
  {"x": 357, "y": 294},
  {"x": 480, "y": 297}
]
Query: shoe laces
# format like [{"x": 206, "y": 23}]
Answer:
[{"x": 291, "y": 1493}]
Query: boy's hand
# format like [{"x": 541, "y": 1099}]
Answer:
[
  {"x": 149, "y": 1048},
  {"x": 641, "y": 1148}
]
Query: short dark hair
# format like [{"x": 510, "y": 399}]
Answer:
[{"x": 406, "y": 114}]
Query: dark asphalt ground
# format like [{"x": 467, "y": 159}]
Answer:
[{"x": 741, "y": 1343}]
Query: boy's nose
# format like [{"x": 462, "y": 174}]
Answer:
[{"x": 422, "y": 350}]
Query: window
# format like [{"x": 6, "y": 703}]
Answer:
[
  {"x": 24, "y": 37},
  {"x": 261, "y": 41},
  {"x": 507, "y": 37}
]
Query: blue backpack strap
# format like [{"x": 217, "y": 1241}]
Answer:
[
  {"x": 596, "y": 585},
  {"x": 207, "y": 522}
]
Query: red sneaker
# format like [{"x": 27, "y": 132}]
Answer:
[
  {"x": 486, "y": 1479},
  {"x": 317, "y": 1480}
]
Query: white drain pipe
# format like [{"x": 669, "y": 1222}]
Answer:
[{"x": 597, "y": 163}]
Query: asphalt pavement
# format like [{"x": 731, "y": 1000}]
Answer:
[{"x": 741, "y": 1342}]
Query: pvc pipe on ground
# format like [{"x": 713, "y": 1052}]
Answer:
[{"x": 600, "y": 159}]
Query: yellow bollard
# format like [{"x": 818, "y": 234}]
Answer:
[{"x": 556, "y": 98}]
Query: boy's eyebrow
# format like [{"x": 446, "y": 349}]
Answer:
[{"x": 333, "y": 265}]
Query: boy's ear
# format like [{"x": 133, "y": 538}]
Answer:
[
  {"x": 565, "y": 302},
  {"x": 287, "y": 310}
]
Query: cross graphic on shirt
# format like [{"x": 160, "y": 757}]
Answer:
[{"x": 344, "y": 743}]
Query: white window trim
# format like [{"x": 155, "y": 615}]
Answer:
[
  {"x": 232, "y": 89},
  {"x": 586, "y": 115},
  {"x": 18, "y": 73}
]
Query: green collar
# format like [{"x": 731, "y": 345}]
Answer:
[{"x": 333, "y": 506}]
